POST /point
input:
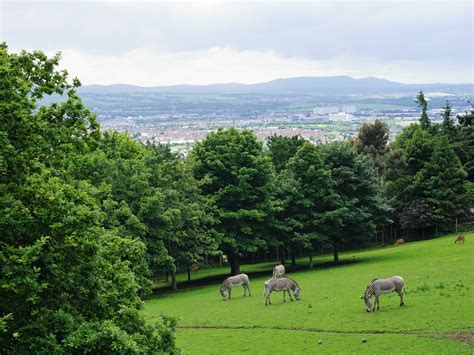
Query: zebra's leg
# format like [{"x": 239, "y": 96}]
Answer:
[
  {"x": 401, "y": 294},
  {"x": 248, "y": 288},
  {"x": 376, "y": 303},
  {"x": 289, "y": 294},
  {"x": 245, "y": 289},
  {"x": 284, "y": 294}
]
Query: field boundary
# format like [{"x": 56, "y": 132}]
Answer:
[{"x": 421, "y": 333}]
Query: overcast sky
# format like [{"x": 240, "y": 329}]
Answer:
[{"x": 161, "y": 43}]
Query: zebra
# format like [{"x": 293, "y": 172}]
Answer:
[
  {"x": 278, "y": 271},
  {"x": 378, "y": 286},
  {"x": 232, "y": 281},
  {"x": 281, "y": 284}
]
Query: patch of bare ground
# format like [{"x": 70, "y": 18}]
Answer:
[{"x": 466, "y": 337}]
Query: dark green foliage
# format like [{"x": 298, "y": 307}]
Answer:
[
  {"x": 236, "y": 177},
  {"x": 417, "y": 214},
  {"x": 464, "y": 143},
  {"x": 359, "y": 207},
  {"x": 425, "y": 172},
  {"x": 448, "y": 125},
  {"x": 372, "y": 140},
  {"x": 316, "y": 208},
  {"x": 282, "y": 149},
  {"x": 441, "y": 183},
  {"x": 422, "y": 102},
  {"x": 70, "y": 272}
]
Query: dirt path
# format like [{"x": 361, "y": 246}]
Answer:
[{"x": 466, "y": 337}]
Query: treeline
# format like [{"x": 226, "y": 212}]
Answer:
[{"x": 88, "y": 218}]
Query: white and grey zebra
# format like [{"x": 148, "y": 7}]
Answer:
[
  {"x": 281, "y": 284},
  {"x": 379, "y": 286},
  {"x": 232, "y": 281},
  {"x": 278, "y": 271}
]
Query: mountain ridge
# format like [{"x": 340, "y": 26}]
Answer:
[{"x": 303, "y": 84}]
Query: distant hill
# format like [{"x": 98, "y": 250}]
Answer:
[{"x": 310, "y": 85}]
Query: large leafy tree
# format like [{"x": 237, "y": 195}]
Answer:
[
  {"x": 317, "y": 207},
  {"x": 441, "y": 183},
  {"x": 67, "y": 281},
  {"x": 361, "y": 208},
  {"x": 236, "y": 178},
  {"x": 285, "y": 193},
  {"x": 176, "y": 216}
]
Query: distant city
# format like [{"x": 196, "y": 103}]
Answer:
[{"x": 181, "y": 118}]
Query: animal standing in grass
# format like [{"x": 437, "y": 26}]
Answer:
[
  {"x": 379, "y": 286},
  {"x": 278, "y": 271},
  {"x": 232, "y": 281},
  {"x": 399, "y": 242},
  {"x": 281, "y": 284},
  {"x": 460, "y": 239}
]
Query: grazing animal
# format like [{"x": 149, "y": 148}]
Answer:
[
  {"x": 378, "y": 286},
  {"x": 195, "y": 268},
  {"x": 232, "y": 281},
  {"x": 278, "y": 271},
  {"x": 281, "y": 284},
  {"x": 460, "y": 239},
  {"x": 399, "y": 241}
]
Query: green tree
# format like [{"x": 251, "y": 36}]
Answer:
[
  {"x": 372, "y": 140},
  {"x": 285, "y": 192},
  {"x": 441, "y": 183},
  {"x": 447, "y": 126},
  {"x": 282, "y": 149},
  {"x": 464, "y": 143},
  {"x": 235, "y": 176},
  {"x": 422, "y": 103},
  {"x": 417, "y": 214},
  {"x": 361, "y": 208},
  {"x": 316, "y": 209},
  {"x": 67, "y": 283}
]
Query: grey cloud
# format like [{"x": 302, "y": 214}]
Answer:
[{"x": 423, "y": 31}]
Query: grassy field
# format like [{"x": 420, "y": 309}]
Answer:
[{"x": 330, "y": 316}]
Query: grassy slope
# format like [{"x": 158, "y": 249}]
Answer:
[{"x": 440, "y": 280}]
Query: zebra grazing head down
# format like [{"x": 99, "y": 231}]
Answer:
[
  {"x": 379, "y": 286},
  {"x": 367, "y": 297}
]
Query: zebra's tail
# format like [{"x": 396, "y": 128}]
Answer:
[{"x": 404, "y": 288}]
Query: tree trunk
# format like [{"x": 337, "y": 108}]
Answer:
[
  {"x": 277, "y": 249},
  {"x": 336, "y": 251},
  {"x": 167, "y": 276},
  {"x": 234, "y": 263},
  {"x": 174, "y": 283},
  {"x": 311, "y": 264},
  {"x": 293, "y": 259},
  {"x": 189, "y": 273}
]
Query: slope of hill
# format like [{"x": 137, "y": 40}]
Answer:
[
  {"x": 439, "y": 306},
  {"x": 317, "y": 85}
]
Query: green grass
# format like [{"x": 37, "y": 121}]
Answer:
[{"x": 440, "y": 301}]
